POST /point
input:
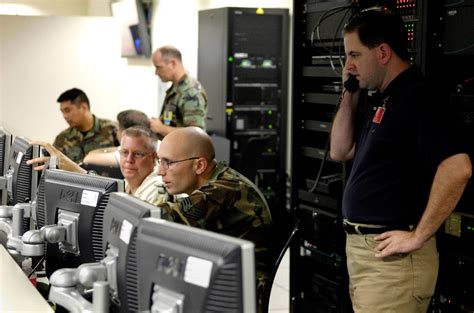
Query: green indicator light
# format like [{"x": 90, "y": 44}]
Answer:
[
  {"x": 270, "y": 126},
  {"x": 270, "y": 112},
  {"x": 470, "y": 228},
  {"x": 267, "y": 63},
  {"x": 246, "y": 63},
  {"x": 230, "y": 59}
]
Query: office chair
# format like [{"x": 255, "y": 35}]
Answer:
[{"x": 284, "y": 237}]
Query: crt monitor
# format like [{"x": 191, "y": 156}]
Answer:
[
  {"x": 22, "y": 179},
  {"x": 187, "y": 269},
  {"x": 5, "y": 144},
  {"x": 75, "y": 202}
]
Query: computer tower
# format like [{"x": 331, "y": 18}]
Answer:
[{"x": 243, "y": 65}]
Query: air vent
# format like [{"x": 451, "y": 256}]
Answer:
[
  {"x": 132, "y": 275},
  {"x": 224, "y": 293},
  {"x": 23, "y": 183},
  {"x": 97, "y": 226},
  {"x": 41, "y": 204}
]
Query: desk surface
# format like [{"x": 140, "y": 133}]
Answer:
[{"x": 17, "y": 294}]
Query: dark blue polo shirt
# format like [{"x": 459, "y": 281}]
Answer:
[{"x": 397, "y": 154}]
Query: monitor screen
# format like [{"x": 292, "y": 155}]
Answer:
[
  {"x": 77, "y": 202},
  {"x": 5, "y": 144},
  {"x": 22, "y": 179},
  {"x": 122, "y": 216},
  {"x": 186, "y": 269}
]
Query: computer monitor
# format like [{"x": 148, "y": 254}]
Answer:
[
  {"x": 5, "y": 144},
  {"x": 185, "y": 269},
  {"x": 76, "y": 202},
  {"x": 123, "y": 214},
  {"x": 122, "y": 217},
  {"x": 22, "y": 179}
]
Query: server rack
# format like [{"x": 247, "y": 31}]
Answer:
[
  {"x": 318, "y": 276},
  {"x": 243, "y": 65},
  {"x": 453, "y": 71}
]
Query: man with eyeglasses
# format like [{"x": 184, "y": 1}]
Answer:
[
  {"x": 137, "y": 164},
  {"x": 219, "y": 198}
]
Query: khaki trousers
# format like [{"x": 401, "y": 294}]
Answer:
[{"x": 396, "y": 284}]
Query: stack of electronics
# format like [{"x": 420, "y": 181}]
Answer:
[{"x": 318, "y": 181}]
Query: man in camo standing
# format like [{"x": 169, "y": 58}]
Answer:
[
  {"x": 219, "y": 198},
  {"x": 86, "y": 132},
  {"x": 185, "y": 103}
]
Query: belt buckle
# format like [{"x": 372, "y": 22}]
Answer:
[{"x": 351, "y": 229}]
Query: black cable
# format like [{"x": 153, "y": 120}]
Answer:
[
  {"x": 36, "y": 266},
  {"x": 326, "y": 148},
  {"x": 334, "y": 40},
  {"x": 321, "y": 19},
  {"x": 340, "y": 52}
]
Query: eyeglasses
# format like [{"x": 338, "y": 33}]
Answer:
[
  {"x": 167, "y": 163},
  {"x": 138, "y": 155}
]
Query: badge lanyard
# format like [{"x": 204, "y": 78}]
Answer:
[{"x": 380, "y": 112}]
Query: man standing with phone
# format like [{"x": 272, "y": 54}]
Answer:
[{"x": 407, "y": 174}]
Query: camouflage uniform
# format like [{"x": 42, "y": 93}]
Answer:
[
  {"x": 75, "y": 145},
  {"x": 185, "y": 104},
  {"x": 229, "y": 204}
]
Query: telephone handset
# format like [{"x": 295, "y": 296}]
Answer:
[{"x": 351, "y": 84}]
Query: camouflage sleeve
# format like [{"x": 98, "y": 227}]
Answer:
[
  {"x": 170, "y": 211},
  {"x": 229, "y": 207},
  {"x": 197, "y": 209},
  {"x": 107, "y": 133},
  {"x": 69, "y": 146},
  {"x": 59, "y": 142},
  {"x": 194, "y": 108}
]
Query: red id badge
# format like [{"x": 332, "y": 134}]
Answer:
[{"x": 379, "y": 115}]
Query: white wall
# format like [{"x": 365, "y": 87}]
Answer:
[
  {"x": 44, "y": 7},
  {"x": 174, "y": 22},
  {"x": 43, "y": 56}
]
